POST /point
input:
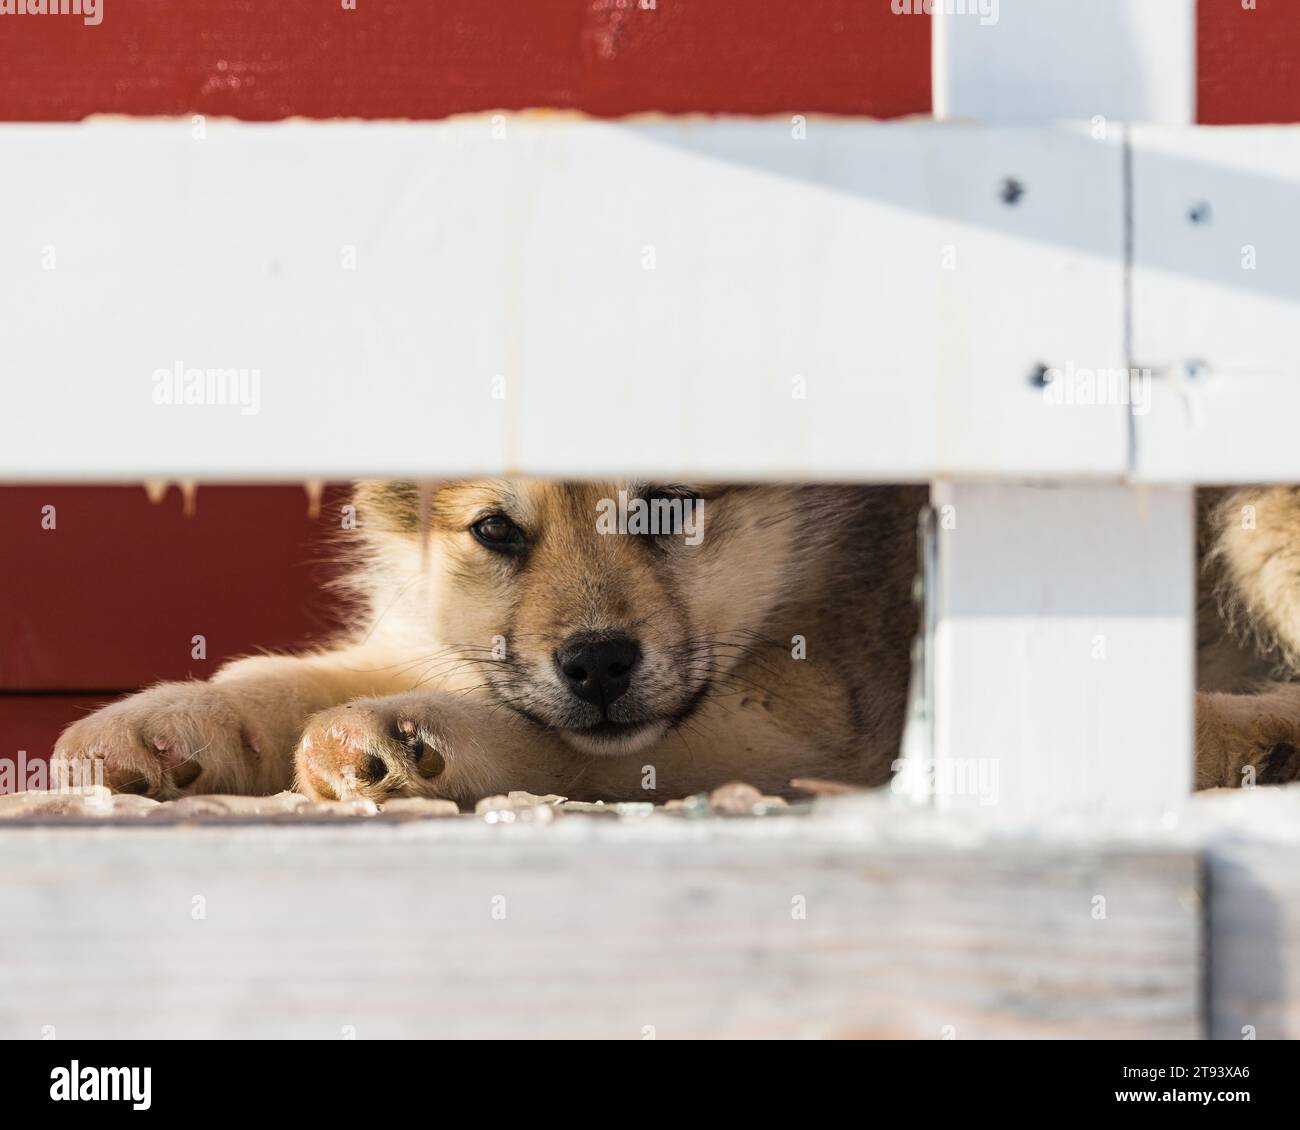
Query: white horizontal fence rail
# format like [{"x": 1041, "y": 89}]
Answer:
[
  {"x": 810, "y": 299},
  {"x": 1216, "y": 301},
  {"x": 872, "y": 301}
]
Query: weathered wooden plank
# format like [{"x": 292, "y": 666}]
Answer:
[
  {"x": 588, "y": 927},
  {"x": 1253, "y": 941},
  {"x": 1253, "y": 917}
]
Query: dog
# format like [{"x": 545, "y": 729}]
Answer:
[
  {"x": 612, "y": 641},
  {"x": 1248, "y": 637}
]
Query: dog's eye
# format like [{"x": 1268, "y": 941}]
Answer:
[
  {"x": 672, "y": 510},
  {"x": 496, "y": 531}
]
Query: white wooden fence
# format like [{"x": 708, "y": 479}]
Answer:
[{"x": 1060, "y": 302}]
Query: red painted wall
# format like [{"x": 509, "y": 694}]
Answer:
[
  {"x": 114, "y": 594},
  {"x": 1248, "y": 62},
  {"x": 112, "y": 597},
  {"x": 429, "y": 58}
]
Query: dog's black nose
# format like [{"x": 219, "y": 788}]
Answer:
[{"x": 598, "y": 671}]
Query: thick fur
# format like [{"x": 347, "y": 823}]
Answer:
[
  {"x": 1248, "y": 716},
  {"x": 777, "y": 647}
]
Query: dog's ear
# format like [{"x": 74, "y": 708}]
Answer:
[
  {"x": 1280, "y": 765},
  {"x": 389, "y": 506}
]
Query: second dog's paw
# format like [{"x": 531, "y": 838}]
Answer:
[
  {"x": 1246, "y": 740},
  {"x": 373, "y": 748}
]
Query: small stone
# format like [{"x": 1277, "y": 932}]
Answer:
[
  {"x": 421, "y": 806},
  {"x": 504, "y": 812},
  {"x": 697, "y": 805},
  {"x": 588, "y": 808},
  {"x": 515, "y": 801},
  {"x": 634, "y": 808},
  {"x": 222, "y": 805},
  {"x": 189, "y": 806},
  {"x": 128, "y": 804},
  {"x": 125, "y": 802},
  {"x": 357, "y": 806},
  {"x": 94, "y": 801},
  {"x": 531, "y": 800},
  {"x": 735, "y": 799}
]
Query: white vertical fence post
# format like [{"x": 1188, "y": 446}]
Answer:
[
  {"x": 1044, "y": 60},
  {"x": 1063, "y": 647}
]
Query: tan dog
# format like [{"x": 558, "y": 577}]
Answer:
[{"x": 540, "y": 636}]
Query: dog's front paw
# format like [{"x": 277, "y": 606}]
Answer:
[
  {"x": 171, "y": 739},
  {"x": 374, "y": 748}
]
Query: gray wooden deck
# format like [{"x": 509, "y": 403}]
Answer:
[{"x": 856, "y": 920}]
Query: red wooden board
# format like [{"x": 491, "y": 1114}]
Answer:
[
  {"x": 1248, "y": 62},
  {"x": 112, "y": 597},
  {"x": 429, "y": 58},
  {"x": 30, "y": 724}
]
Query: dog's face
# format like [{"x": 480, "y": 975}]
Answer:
[{"x": 606, "y": 612}]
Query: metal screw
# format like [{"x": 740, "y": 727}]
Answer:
[
  {"x": 1040, "y": 376},
  {"x": 1012, "y": 191},
  {"x": 1200, "y": 213}
]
